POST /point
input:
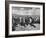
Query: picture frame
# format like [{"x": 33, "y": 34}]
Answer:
[{"x": 27, "y": 9}]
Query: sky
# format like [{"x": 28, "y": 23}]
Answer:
[{"x": 26, "y": 11}]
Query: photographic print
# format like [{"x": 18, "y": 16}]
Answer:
[{"x": 25, "y": 19}]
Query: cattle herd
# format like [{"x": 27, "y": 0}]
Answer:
[{"x": 25, "y": 20}]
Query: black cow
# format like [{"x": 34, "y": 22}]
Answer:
[
  {"x": 32, "y": 21},
  {"x": 22, "y": 22}
]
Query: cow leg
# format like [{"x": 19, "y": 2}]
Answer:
[{"x": 33, "y": 25}]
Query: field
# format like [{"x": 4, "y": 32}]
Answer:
[{"x": 27, "y": 28}]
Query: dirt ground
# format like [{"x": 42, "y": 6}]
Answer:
[{"x": 27, "y": 27}]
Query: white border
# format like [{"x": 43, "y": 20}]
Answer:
[{"x": 25, "y": 32}]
